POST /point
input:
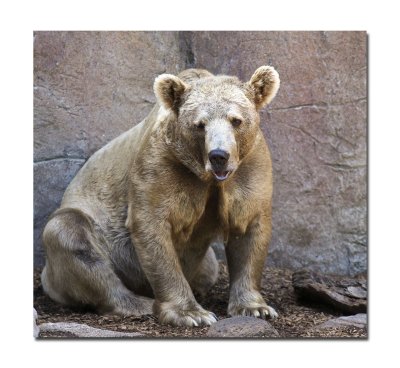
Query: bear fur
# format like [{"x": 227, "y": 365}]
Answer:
[{"x": 132, "y": 235}]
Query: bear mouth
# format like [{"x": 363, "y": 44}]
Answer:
[{"x": 221, "y": 175}]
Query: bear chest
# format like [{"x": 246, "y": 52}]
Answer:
[{"x": 197, "y": 220}]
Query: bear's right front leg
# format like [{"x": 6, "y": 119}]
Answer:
[{"x": 175, "y": 303}]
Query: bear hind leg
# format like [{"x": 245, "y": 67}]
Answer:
[
  {"x": 78, "y": 271},
  {"x": 206, "y": 275}
]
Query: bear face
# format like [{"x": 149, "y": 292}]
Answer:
[{"x": 215, "y": 118}]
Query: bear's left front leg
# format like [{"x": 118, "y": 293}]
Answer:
[{"x": 246, "y": 254}]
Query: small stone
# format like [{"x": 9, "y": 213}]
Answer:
[
  {"x": 357, "y": 292},
  {"x": 36, "y": 329},
  {"x": 242, "y": 327},
  {"x": 82, "y": 330}
]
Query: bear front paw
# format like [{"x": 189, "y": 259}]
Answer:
[
  {"x": 252, "y": 304},
  {"x": 176, "y": 315}
]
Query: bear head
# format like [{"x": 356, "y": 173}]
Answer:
[{"x": 214, "y": 120}]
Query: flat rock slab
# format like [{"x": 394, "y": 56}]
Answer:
[
  {"x": 346, "y": 294},
  {"x": 69, "y": 329},
  {"x": 358, "y": 320},
  {"x": 240, "y": 327}
]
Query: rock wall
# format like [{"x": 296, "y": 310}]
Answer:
[{"x": 91, "y": 86}]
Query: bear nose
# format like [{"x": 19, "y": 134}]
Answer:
[{"x": 218, "y": 158}]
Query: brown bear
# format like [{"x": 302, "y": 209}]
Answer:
[{"x": 132, "y": 235}]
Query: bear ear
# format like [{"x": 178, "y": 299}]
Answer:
[
  {"x": 169, "y": 90},
  {"x": 264, "y": 84}
]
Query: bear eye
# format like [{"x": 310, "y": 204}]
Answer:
[{"x": 236, "y": 122}]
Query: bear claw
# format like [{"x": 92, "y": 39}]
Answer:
[{"x": 187, "y": 318}]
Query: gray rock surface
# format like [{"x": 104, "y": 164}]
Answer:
[
  {"x": 242, "y": 327},
  {"x": 92, "y": 86},
  {"x": 69, "y": 329},
  {"x": 357, "y": 320},
  {"x": 36, "y": 329}
]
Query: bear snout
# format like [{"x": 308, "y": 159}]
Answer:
[{"x": 219, "y": 162}]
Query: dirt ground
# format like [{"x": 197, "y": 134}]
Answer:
[{"x": 296, "y": 317}]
